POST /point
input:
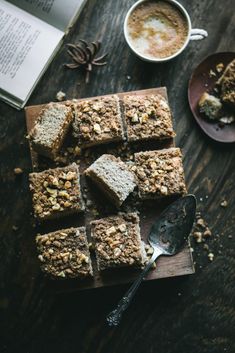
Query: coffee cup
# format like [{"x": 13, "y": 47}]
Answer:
[{"x": 190, "y": 34}]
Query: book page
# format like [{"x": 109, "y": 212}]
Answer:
[
  {"x": 58, "y": 13},
  {"x": 26, "y": 45}
]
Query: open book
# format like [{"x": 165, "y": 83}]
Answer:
[{"x": 31, "y": 32}]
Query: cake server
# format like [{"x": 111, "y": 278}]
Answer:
[{"x": 168, "y": 235}]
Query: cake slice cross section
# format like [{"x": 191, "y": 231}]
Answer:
[
  {"x": 50, "y": 129},
  {"x": 113, "y": 177}
]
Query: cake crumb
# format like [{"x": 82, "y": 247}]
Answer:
[
  {"x": 198, "y": 237},
  {"x": 201, "y": 222},
  {"x": 60, "y": 96},
  {"x": 18, "y": 171},
  {"x": 211, "y": 256},
  {"x": 207, "y": 233},
  {"x": 212, "y": 73},
  {"x": 219, "y": 67},
  {"x": 224, "y": 203}
]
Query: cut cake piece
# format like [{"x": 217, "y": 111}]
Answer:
[
  {"x": 147, "y": 117},
  {"x": 50, "y": 129},
  {"x": 118, "y": 242},
  {"x": 227, "y": 84},
  {"x": 98, "y": 121},
  {"x": 113, "y": 177},
  {"x": 160, "y": 173},
  {"x": 56, "y": 192},
  {"x": 210, "y": 105},
  {"x": 65, "y": 253}
]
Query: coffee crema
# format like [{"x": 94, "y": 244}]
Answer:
[{"x": 157, "y": 29}]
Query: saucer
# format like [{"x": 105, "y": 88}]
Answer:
[{"x": 201, "y": 81}]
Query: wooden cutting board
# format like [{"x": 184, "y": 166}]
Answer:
[{"x": 178, "y": 265}]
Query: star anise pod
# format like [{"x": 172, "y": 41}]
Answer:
[{"x": 84, "y": 55}]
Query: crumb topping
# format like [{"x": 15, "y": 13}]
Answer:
[
  {"x": 159, "y": 173},
  {"x": 147, "y": 117},
  {"x": 64, "y": 253},
  {"x": 98, "y": 121},
  {"x": 56, "y": 191},
  {"x": 117, "y": 241}
]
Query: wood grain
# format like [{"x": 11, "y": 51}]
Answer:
[
  {"x": 178, "y": 265},
  {"x": 178, "y": 315}
]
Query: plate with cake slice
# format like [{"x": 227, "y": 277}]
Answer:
[{"x": 211, "y": 95}]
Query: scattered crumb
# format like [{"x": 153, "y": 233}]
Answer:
[
  {"x": 91, "y": 246},
  {"x": 219, "y": 67},
  {"x": 211, "y": 256},
  {"x": 179, "y": 294},
  {"x": 15, "y": 228},
  {"x": 128, "y": 77},
  {"x": 201, "y": 222},
  {"x": 197, "y": 236},
  {"x": 230, "y": 236},
  {"x": 224, "y": 203},
  {"x": 212, "y": 73},
  {"x": 89, "y": 203},
  {"x": 206, "y": 247},
  {"x": 18, "y": 171},
  {"x": 207, "y": 233},
  {"x": 60, "y": 96},
  {"x": 149, "y": 250},
  {"x": 227, "y": 119},
  {"x": 191, "y": 249}
]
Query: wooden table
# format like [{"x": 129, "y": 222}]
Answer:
[{"x": 186, "y": 314}]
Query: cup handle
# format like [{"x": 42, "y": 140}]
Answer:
[{"x": 198, "y": 34}]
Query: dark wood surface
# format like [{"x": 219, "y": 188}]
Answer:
[{"x": 189, "y": 314}]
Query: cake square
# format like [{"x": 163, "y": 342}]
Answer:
[
  {"x": 98, "y": 121},
  {"x": 56, "y": 192},
  {"x": 118, "y": 242},
  {"x": 65, "y": 253},
  {"x": 50, "y": 129},
  {"x": 113, "y": 177},
  {"x": 147, "y": 117},
  {"x": 160, "y": 173}
]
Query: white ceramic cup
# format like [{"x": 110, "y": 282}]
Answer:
[{"x": 193, "y": 34}]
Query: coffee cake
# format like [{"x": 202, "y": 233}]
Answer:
[
  {"x": 147, "y": 118},
  {"x": 160, "y": 173},
  {"x": 65, "y": 253},
  {"x": 98, "y": 121},
  {"x": 56, "y": 192},
  {"x": 50, "y": 129},
  {"x": 118, "y": 242},
  {"x": 113, "y": 177},
  {"x": 227, "y": 84}
]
